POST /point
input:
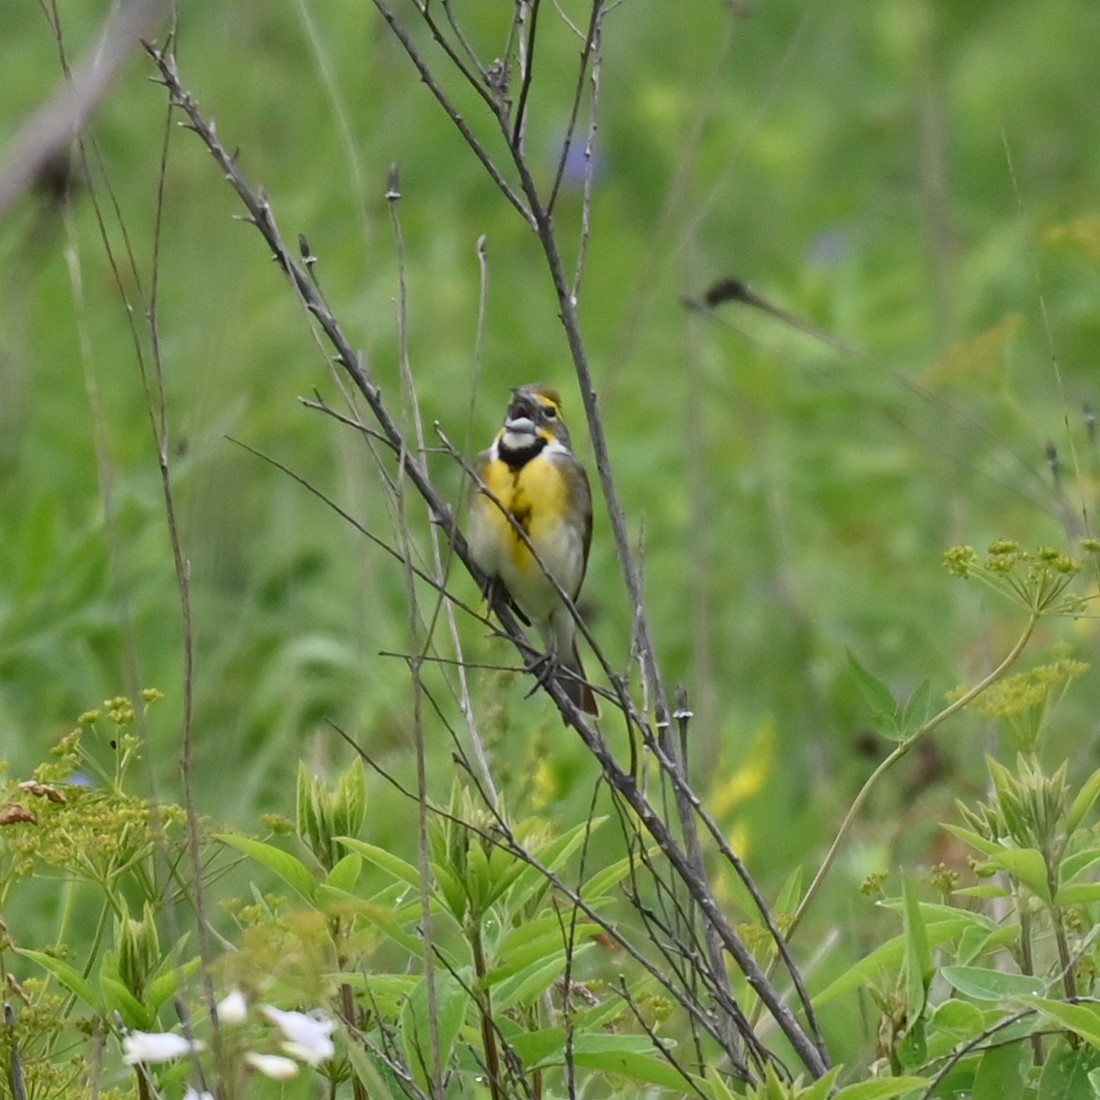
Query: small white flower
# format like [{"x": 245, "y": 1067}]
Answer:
[
  {"x": 307, "y": 1036},
  {"x": 233, "y": 1009},
  {"x": 194, "y": 1094},
  {"x": 150, "y": 1047},
  {"x": 274, "y": 1066}
]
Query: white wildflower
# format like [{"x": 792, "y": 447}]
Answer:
[
  {"x": 274, "y": 1066},
  {"x": 233, "y": 1008},
  {"x": 150, "y": 1047},
  {"x": 307, "y": 1036}
]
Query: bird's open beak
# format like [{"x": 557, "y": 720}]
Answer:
[{"x": 520, "y": 425}]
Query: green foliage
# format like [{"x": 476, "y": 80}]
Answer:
[{"x": 932, "y": 209}]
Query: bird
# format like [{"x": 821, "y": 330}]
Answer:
[{"x": 532, "y": 482}]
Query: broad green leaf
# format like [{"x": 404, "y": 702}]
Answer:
[
  {"x": 527, "y": 985},
  {"x": 1066, "y": 1073},
  {"x": 544, "y": 1047},
  {"x": 365, "y": 1071},
  {"x": 516, "y": 953},
  {"x": 990, "y": 985},
  {"x": 1000, "y": 1073},
  {"x": 529, "y": 880},
  {"x": 390, "y": 863},
  {"x": 912, "y": 1051},
  {"x": 117, "y": 998},
  {"x": 385, "y": 993},
  {"x": 918, "y": 708},
  {"x": 1082, "y": 1020},
  {"x": 346, "y": 872},
  {"x": 71, "y": 979},
  {"x": 786, "y": 901},
  {"x": 602, "y": 881},
  {"x": 164, "y": 986},
  {"x": 975, "y": 840},
  {"x": 1084, "y": 801},
  {"x": 610, "y": 1054},
  {"x": 1026, "y": 864},
  {"x": 1078, "y": 863},
  {"x": 940, "y": 929},
  {"x": 959, "y": 1017},
  {"x": 717, "y": 1089},
  {"x": 1078, "y": 893},
  {"x": 823, "y": 1087},
  {"x": 388, "y": 921},
  {"x": 883, "y": 1089},
  {"x": 290, "y": 869},
  {"x": 453, "y": 892},
  {"x": 451, "y": 1003},
  {"x": 884, "y": 707},
  {"x": 985, "y": 890}
]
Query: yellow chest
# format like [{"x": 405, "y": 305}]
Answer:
[{"x": 536, "y": 495}]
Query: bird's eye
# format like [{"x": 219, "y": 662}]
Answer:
[{"x": 549, "y": 412}]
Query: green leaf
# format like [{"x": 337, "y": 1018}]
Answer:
[
  {"x": 388, "y": 920},
  {"x": 390, "y": 863},
  {"x": 884, "y": 707},
  {"x": 918, "y": 708},
  {"x": 990, "y": 985},
  {"x": 602, "y": 881},
  {"x": 1082, "y": 1020},
  {"x": 530, "y": 943},
  {"x": 527, "y": 985},
  {"x": 1066, "y": 1073},
  {"x": 71, "y": 979},
  {"x": 117, "y": 998},
  {"x": 1027, "y": 865},
  {"x": 1078, "y": 893},
  {"x": 346, "y": 872},
  {"x": 918, "y": 955},
  {"x": 888, "y": 956},
  {"x": 1084, "y": 801},
  {"x": 882, "y": 1089},
  {"x": 451, "y": 1003},
  {"x": 1000, "y": 1074},
  {"x": 986, "y": 890},
  {"x": 366, "y": 1072},
  {"x": 616, "y": 1054},
  {"x": 822, "y": 1088},
  {"x": 165, "y": 986},
  {"x": 962, "y": 1019},
  {"x": 975, "y": 840},
  {"x": 287, "y": 867},
  {"x": 528, "y": 881},
  {"x": 1078, "y": 863}
]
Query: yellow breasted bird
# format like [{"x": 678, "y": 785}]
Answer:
[{"x": 537, "y": 480}]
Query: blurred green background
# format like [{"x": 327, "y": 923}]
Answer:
[{"x": 916, "y": 178}]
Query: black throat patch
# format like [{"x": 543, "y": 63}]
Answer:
[{"x": 518, "y": 457}]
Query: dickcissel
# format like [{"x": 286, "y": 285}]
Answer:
[{"x": 537, "y": 485}]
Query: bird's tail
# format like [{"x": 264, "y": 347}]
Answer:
[{"x": 575, "y": 684}]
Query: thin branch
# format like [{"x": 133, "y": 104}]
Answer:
[
  {"x": 589, "y": 51},
  {"x": 527, "y": 72},
  {"x": 452, "y": 112}
]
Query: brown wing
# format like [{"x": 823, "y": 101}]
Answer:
[{"x": 585, "y": 507}]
